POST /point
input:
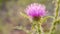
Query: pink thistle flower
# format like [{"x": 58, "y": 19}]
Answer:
[{"x": 36, "y": 10}]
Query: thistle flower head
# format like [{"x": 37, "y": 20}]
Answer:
[{"x": 36, "y": 10}]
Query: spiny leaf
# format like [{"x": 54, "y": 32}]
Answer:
[
  {"x": 24, "y": 15},
  {"x": 45, "y": 18}
]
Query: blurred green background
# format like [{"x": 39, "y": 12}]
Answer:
[{"x": 10, "y": 16}]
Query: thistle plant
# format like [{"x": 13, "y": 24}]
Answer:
[{"x": 36, "y": 13}]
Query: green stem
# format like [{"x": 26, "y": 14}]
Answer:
[
  {"x": 34, "y": 27},
  {"x": 53, "y": 27},
  {"x": 39, "y": 29},
  {"x": 57, "y": 9},
  {"x": 37, "y": 26}
]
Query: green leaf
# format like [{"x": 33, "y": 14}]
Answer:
[
  {"x": 45, "y": 18},
  {"x": 24, "y": 15}
]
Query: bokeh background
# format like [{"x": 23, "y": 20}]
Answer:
[{"x": 10, "y": 17}]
